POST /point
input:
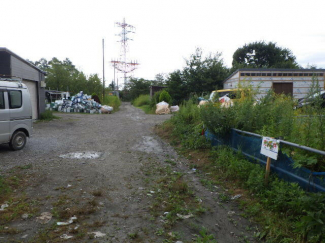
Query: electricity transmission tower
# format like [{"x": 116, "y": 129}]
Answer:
[{"x": 122, "y": 64}]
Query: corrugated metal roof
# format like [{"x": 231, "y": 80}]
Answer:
[
  {"x": 273, "y": 70},
  {"x": 3, "y": 49}
]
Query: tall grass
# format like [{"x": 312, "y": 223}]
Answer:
[
  {"x": 47, "y": 115},
  {"x": 300, "y": 214},
  {"x": 188, "y": 126},
  {"x": 141, "y": 100},
  {"x": 286, "y": 212},
  {"x": 112, "y": 101},
  {"x": 273, "y": 116}
]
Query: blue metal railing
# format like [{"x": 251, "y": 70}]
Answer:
[{"x": 250, "y": 145}]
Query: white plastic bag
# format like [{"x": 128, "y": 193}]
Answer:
[
  {"x": 163, "y": 103},
  {"x": 225, "y": 101},
  {"x": 162, "y": 108},
  {"x": 202, "y": 102},
  {"x": 106, "y": 109},
  {"x": 174, "y": 108}
]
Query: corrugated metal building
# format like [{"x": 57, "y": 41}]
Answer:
[
  {"x": 289, "y": 81},
  {"x": 12, "y": 65},
  {"x": 154, "y": 89}
]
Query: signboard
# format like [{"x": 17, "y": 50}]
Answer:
[{"x": 270, "y": 147}]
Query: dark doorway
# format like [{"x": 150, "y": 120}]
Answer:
[{"x": 283, "y": 88}]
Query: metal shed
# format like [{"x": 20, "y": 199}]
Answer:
[
  {"x": 12, "y": 65},
  {"x": 154, "y": 89}
]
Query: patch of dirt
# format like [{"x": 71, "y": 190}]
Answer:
[{"x": 108, "y": 193}]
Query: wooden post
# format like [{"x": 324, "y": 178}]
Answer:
[{"x": 268, "y": 169}]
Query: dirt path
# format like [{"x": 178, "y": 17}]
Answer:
[{"x": 108, "y": 192}]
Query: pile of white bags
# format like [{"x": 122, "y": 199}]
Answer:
[
  {"x": 174, "y": 108},
  {"x": 105, "y": 109},
  {"x": 225, "y": 101},
  {"x": 203, "y": 102},
  {"x": 162, "y": 108}
]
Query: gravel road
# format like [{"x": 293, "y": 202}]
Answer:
[{"x": 91, "y": 166}]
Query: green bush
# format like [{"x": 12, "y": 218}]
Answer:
[
  {"x": 4, "y": 188},
  {"x": 188, "y": 126},
  {"x": 164, "y": 96},
  {"x": 304, "y": 212},
  {"x": 273, "y": 116},
  {"x": 141, "y": 100},
  {"x": 47, "y": 116},
  {"x": 155, "y": 100},
  {"x": 112, "y": 101}
]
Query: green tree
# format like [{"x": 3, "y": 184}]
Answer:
[
  {"x": 94, "y": 85},
  {"x": 263, "y": 55},
  {"x": 160, "y": 79},
  {"x": 204, "y": 74},
  {"x": 136, "y": 87},
  {"x": 201, "y": 74},
  {"x": 176, "y": 86},
  {"x": 58, "y": 77},
  {"x": 64, "y": 76},
  {"x": 164, "y": 96}
]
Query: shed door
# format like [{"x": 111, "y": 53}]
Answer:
[
  {"x": 32, "y": 88},
  {"x": 285, "y": 88}
]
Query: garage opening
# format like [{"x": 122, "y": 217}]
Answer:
[
  {"x": 32, "y": 88},
  {"x": 283, "y": 88}
]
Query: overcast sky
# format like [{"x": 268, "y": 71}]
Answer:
[{"x": 167, "y": 31}]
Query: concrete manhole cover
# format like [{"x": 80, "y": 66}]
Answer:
[{"x": 82, "y": 155}]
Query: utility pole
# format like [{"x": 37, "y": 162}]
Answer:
[
  {"x": 103, "y": 72},
  {"x": 114, "y": 80}
]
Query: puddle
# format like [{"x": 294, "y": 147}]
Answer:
[
  {"x": 136, "y": 118},
  {"x": 82, "y": 155},
  {"x": 148, "y": 145}
]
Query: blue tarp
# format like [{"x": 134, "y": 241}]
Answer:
[{"x": 250, "y": 146}]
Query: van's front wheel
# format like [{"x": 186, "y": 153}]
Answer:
[{"x": 18, "y": 140}]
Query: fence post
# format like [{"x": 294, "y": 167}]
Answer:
[{"x": 268, "y": 168}]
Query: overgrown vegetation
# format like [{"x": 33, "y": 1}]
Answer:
[
  {"x": 300, "y": 214},
  {"x": 285, "y": 211},
  {"x": 63, "y": 75},
  {"x": 164, "y": 96},
  {"x": 13, "y": 203},
  {"x": 148, "y": 104},
  {"x": 141, "y": 100},
  {"x": 173, "y": 201},
  {"x": 48, "y": 116},
  {"x": 4, "y": 188},
  {"x": 274, "y": 116},
  {"x": 144, "y": 103},
  {"x": 174, "y": 197},
  {"x": 113, "y": 101}
]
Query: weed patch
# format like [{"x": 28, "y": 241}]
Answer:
[
  {"x": 285, "y": 212},
  {"x": 172, "y": 198},
  {"x": 48, "y": 116},
  {"x": 112, "y": 101}
]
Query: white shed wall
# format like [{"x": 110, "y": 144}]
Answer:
[{"x": 301, "y": 85}]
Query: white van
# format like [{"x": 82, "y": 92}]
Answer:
[{"x": 16, "y": 122}]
